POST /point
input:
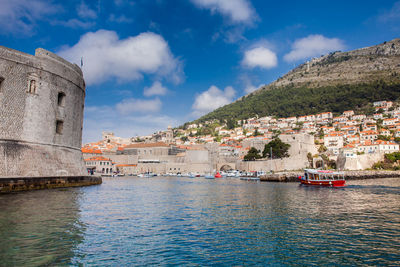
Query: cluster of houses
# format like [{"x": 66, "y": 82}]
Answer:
[
  {"x": 349, "y": 132},
  {"x": 348, "y": 135}
]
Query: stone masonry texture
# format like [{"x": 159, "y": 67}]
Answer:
[{"x": 38, "y": 94}]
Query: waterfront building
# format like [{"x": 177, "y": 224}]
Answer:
[{"x": 100, "y": 165}]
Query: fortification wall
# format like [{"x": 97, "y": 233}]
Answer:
[
  {"x": 296, "y": 162},
  {"x": 41, "y": 111}
]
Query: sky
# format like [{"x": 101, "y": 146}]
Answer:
[{"x": 149, "y": 64}]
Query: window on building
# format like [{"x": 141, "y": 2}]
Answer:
[
  {"x": 1, "y": 82},
  {"x": 61, "y": 99},
  {"x": 32, "y": 87},
  {"x": 59, "y": 126}
]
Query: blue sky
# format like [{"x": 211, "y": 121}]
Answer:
[{"x": 153, "y": 63}]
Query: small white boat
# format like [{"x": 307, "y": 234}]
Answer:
[{"x": 147, "y": 175}]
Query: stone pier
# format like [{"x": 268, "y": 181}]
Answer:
[{"x": 16, "y": 184}]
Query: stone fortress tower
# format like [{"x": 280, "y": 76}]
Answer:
[{"x": 41, "y": 115}]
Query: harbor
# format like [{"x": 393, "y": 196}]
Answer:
[{"x": 170, "y": 220}]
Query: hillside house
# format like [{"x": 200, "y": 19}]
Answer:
[
  {"x": 333, "y": 142},
  {"x": 359, "y": 117},
  {"x": 348, "y": 113},
  {"x": 368, "y": 135}
]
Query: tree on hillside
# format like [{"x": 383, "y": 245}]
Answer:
[
  {"x": 252, "y": 155},
  {"x": 379, "y": 123},
  {"x": 310, "y": 159},
  {"x": 257, "y": 133},
  {"x": 230, "y": 124},
  {"x": 279, "y": 149}
]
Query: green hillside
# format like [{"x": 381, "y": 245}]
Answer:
[
  {"x": 335, "y": 82},
  {"x": 297, "y": 101}
]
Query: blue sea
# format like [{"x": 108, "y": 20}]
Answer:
[{"x": 133, "y": 221}]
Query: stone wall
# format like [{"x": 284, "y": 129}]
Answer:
[
  {"x": 41, "y": 111},
  {"x": 9, "y": 185},
  {"x": 361, "y": 162},
  {"x": 286, "y": 164}
]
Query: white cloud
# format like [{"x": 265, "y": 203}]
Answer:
[
  {"x": 74, "y": 23},
  {"x": 105, "y": 56},
  {"x": 20, "y": 16},
  {"x": 107, "y": 118},
  {"x": 120, "y": 19},
  {"x": 260, "y": 57},
  {"x": 391, "y": 15},
  {"x": 155, "y": 89},
  {"x": 238, "y": 11},
  {"x": 313, "y": 45},
  {"x": 85, "y": 12},
  {"x": 132, "y": 105},
  {"x": 212, "y": 99}
]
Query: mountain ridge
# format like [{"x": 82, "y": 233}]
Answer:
[{"x": 375, "y": 69}]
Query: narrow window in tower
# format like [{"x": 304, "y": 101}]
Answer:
[
  {"x": 61, "y": 99},
  {"x": 1, "y": 83},
  {"x": 32, "y": 87},
  {"x": 33, "y": 83},
  {"x": 59, "y": 126}
]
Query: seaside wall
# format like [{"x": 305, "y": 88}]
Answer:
[
  {"x": 297, "y": 162},
  {"x": 361, "y": 162},
  {"x": 41, "y": 111}
]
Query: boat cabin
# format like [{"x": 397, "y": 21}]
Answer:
[{"x": 323, "y": 177}]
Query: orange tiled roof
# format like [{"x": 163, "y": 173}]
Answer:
[
  {"x": 146, "y": 145},
  {"x": 91, "y": 151},
  {"x": 98, "y": 158}
]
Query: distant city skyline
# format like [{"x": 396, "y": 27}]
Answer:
[{"x": 150, "y": 64}]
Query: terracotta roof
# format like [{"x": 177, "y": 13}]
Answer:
[
  {"x": 381, "y": 142},
  {"x": 368, "y": 132},
  {"x": 98, "y": 158},
  {"x": 91, "y": 151},
  {"x": 126, "y": 165},
  {"x": 146, "y": 145}
]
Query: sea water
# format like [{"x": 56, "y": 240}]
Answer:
[{"x": 197, "y": 221}]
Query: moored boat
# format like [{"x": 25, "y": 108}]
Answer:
[
  {"x": 322, "y": 178},
  {"x": 218, "y": 175}
]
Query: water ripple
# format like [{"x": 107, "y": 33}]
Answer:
[{"x": 182, "y": 221}]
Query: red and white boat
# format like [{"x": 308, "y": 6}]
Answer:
[{"x": 322, "y": 178}]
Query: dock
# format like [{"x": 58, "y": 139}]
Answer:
[{"x": 17, "y": 184}]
